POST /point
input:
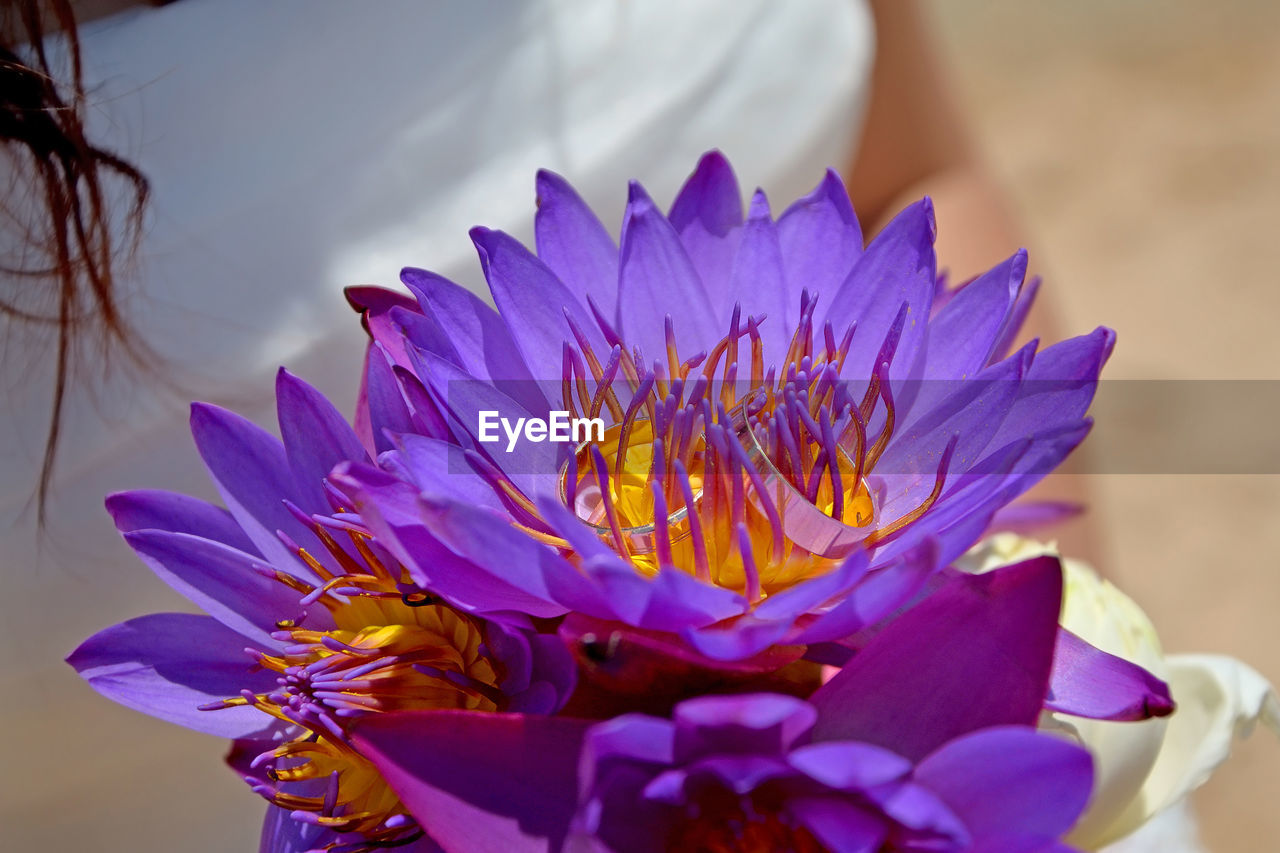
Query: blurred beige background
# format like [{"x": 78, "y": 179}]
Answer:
[{"x": 1141, "y": 143}]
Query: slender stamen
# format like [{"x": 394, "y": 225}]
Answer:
[
  {"x": 832, "y": 450},
  {"x": 566, "y": 380},
  {"x": 691, "y": 363},
  {"x": 604, "y": 390},
  {"x": 285, "y": 578},
  {"x": 571, "y": 482},
  {"x": 695, "y": 524},
  {"x": 584, "y": 345},
  {"x": 673, "y": 357},
  {"x": 600, "y": 467},
  {"x": 612, "y": 338},
  {"x": 815, "y": 477},
  {"x": 640, "y": 398},
  {"x": 727, "y": 393},
  {"x": 766, "y": 501},
  {"x": 661, "y": 525},
  {"x": 897, "y": 526},
  {"x": 750, "y": 571},
  {"x": 757, "y": 350},
  {"x": 580, "y": 380},
  {"x": 516, "y": 502},
  {"x": 544, "y": 538},
  {"x": 788, "y": 443},
  {"x": 886, "y": 433}
]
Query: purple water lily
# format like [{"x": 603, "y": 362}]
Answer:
[
  {"x": 787, "y": 416},
  {"x": 925, "y": 741},
  {"x": 800, "y": 431},
  {"x": 310, "y": 624}
]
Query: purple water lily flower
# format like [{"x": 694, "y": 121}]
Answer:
[
  {"x": 786, "y": 415},
  {"x": 798, "y": 435},
  {"x": 925, "y": 741},
  {"x": 310, "y": 624}
]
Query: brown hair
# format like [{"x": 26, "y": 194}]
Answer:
[{"x": 63, "y": 273}]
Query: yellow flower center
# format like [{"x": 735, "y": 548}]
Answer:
[
  {"x": 388, "y": 650},
  {"x": 750, "y": 480}
]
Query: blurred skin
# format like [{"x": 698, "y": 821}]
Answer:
[{"x": 915, "y": 143}]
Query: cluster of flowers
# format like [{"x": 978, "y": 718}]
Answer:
[{"x": 749, "y": 617}]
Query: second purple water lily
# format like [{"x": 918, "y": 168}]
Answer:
[{"x": 925, "y": 741}]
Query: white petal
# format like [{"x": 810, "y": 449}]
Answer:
[
  {"x": 1172, "y": 831},
  {"x": 1219, "y": 699}
]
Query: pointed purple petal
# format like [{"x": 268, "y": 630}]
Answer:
[
  {"x": 169, "y": 664},
  {"x": 739, "y": 639},
  {"x": 677, "y": 600},
  {"x": 710, "y": 197},
  {"x": 849, "y": 766},
  {"x": 911, "y": 689},
  {"x": 1088, "y": 682},
  {"x": 439, "y": 468},
  {"x": 147, "y": 509},
  {"x": 531, "y": 466},
  {"x": 1017, "y": 318},
  {"x": 671, "y": 601},
  {"x": 707, "y": 214},
  {"x": 759, "y": 283},
  {"x": 1011, "y": 780},
  {"x": 972, "y": 410},
  {"x": 481, "y": 342},
  {"x": 1058, "y": 388},
  {"x": 381, "y": 407},
  {"x": 422, "y": 328},
  {"x": 965, "y": 510},
  {"x": 533, "y": 303},
  {"x": 810, "y": 594},
  {"x": 220, "y": 579},
  {"x": 964, "y": 334},
  {"x": 881, "y": 592},
  {"x": 483, "y": 783},
  {"x": 573, "y": 243},
  {"x": 252, "y": 473},
  {"x": 316, "y": 436},
  {"x": 821, "y": 240},
  {"x": 396, "y": 515},
  {"x": 773, "y": 621},
  {"x": 658, "y": 279},
  {"x": 486, "y": 540},
  {"x": 898, "y": 267},
  {"x": 424, "y": 412}
]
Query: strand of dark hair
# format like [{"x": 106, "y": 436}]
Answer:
[{"x": 73, "y": 288}]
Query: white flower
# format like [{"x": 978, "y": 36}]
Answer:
[{"x": 1142, "y": 768}]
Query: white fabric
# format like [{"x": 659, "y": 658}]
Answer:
[{"x": 295, "y": 147}]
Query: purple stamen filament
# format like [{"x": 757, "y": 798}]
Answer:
[{"x": 684, "y": 473}]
